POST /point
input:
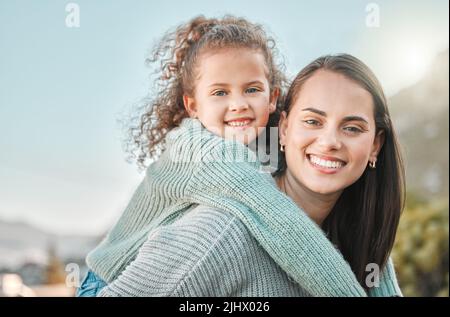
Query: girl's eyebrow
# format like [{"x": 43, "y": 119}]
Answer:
[
  {"x": 219, "y": 84},
  {"x": 246, "y": 84},
  {"x": 346, "y": 119},
  {"x": 257, "y": 82}
]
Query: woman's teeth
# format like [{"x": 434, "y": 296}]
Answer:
[
  {"x": 240, "y": 123},
  {"x": 325, "y": 163}
]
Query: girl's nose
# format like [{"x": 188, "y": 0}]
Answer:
[{"x": 238, "y": 104}]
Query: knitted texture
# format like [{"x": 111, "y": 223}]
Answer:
[
  {"x": 199, "y": 167},
  {"x": 209, "y": 252}
]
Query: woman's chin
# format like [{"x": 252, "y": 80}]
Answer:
[{"x": 324, "y": 189}]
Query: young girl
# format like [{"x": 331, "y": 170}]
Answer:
[
  {"x": 220, "y": 71},
  {"x": 290, "y": 238}
]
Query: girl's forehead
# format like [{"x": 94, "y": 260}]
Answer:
[
  {"x": 236, "y": 50},
  {"x": 230, "y": 55},
  {"x": 231, "y": 64}
]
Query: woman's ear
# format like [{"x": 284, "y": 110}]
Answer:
[
  {"x": 377, "y": 145},
  {"x": 189, "y": 105},
  {"x": 273, "y": 100}
]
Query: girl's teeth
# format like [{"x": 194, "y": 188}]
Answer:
[
  {"x": 238, "y": 123},
  {"x": 325, "y": 163}
]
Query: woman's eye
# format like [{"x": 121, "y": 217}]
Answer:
[
  {"x": 312, "y": 122},
  {"x": 353, "y": 129},
  {"x": 219, "y": 93},
  {"x": 252, "y": 90}
]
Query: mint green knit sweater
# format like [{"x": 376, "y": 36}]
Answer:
[
  {"x": 209, "y": 252},
  {"x": 201, "y": 168}
]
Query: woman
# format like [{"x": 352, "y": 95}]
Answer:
[
  {"x": 336, "y": 123},
  {"x": 340, "y": 158}
]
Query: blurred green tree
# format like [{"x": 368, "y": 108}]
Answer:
[{"x": 421, "y": 249}]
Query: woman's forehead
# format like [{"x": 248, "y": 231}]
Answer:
[{"x": 333, "y": 93}]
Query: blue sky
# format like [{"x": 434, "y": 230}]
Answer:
[{"x": 62, "y": 89}]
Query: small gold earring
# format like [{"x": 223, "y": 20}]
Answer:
[
  {"x": 282, "y": 147},
  {"x": 372, "y": 164}
]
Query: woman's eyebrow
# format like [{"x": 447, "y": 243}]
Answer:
[
  {"x": 346, "y": 119},
  {"x": 319, "y": 112},
  {"x": 355, "y": 118}
]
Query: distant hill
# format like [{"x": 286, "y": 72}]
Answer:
[
  {"x": 421, "y": 117},
  {"x": 21, "y": 243}
]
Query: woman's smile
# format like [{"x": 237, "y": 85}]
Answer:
[{"x": 325, "y": 164}]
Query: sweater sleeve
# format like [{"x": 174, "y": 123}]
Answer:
[
  {"x": 167, "y": 262},
  {"x": 285, "y": 231},
  {"x": 388, "y": 286}
]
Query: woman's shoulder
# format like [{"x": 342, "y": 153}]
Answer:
[
  {"x": 209, "y": 225},
  {"x": 205, "y": 252},
  {"x": 208, "y": 234},
  {"x": 212, "y": 216},
  {"x": 225, "y": 252}
]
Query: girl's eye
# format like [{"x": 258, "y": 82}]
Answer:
[
  {"x": 252, "y": 90},
  {"x": 312, "y": 122},
  {"x": 219, "y": 93}
]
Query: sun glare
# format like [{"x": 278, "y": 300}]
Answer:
[{"x": 415, "y": 63}]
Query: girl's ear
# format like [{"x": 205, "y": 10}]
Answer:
[
  {"x": 282, "y": 126},
  {"x": 189, "y": 105},
  {"x": 273, "y": 100},
  {"x": 377, "y": 145}
]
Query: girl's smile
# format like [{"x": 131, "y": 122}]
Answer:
[{"x": 239, "y": 123}]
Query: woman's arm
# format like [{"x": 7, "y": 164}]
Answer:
[{"x": 388, "y": 286}]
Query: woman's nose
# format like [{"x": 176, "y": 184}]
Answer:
[{"x": 329, "y": 139}]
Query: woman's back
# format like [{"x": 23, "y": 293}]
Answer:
[{"x": 205, "y": 252}]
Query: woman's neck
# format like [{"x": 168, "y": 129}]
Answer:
[{"x": 317, "y": 206}]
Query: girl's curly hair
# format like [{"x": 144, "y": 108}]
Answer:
[{"x": 177, "y": 56}]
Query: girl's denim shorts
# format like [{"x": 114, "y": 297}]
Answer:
[{"x": 91, "y": 285}]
